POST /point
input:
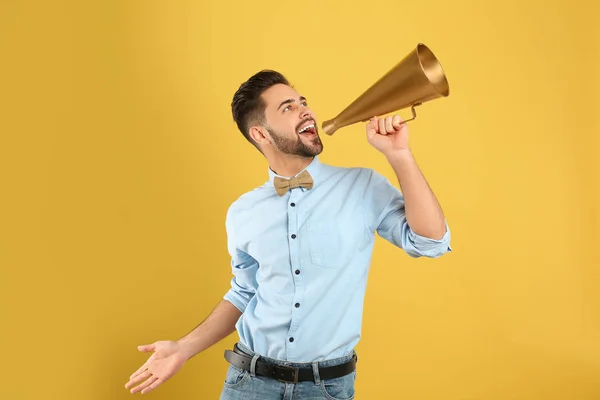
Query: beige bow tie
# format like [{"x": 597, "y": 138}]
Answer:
[{"x": 283, "y": 185}]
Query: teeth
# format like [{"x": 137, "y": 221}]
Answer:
[{"x": 306, "y": 128}]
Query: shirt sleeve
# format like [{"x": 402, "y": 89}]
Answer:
[
  {"x": 244, "y": 268},
  {"x": 385, "y": 214}
]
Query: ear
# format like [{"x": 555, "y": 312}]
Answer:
[{"x": 259, "y": 135}]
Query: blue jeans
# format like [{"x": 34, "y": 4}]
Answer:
[{"x": 246, "y": 385}]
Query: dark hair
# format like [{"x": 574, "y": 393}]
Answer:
[{"x": 247, "y": 106}]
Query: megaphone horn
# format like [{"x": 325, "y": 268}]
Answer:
[{"x": 417, "y": 78}]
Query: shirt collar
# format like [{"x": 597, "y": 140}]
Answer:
[{"x": 314, "y": 168}]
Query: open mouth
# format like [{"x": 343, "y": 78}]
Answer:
[{"x": 308, "y": 130}]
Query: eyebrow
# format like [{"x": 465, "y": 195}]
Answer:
[{"x": 288, "y": 101}]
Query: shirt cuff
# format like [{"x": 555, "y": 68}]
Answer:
[
  {"x": 236, "y": 299},
  {"x": 421, "y": 246}
]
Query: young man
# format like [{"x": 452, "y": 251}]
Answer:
[{"x": 301, "y": 248}]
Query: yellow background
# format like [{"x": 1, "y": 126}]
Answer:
[{"x": 119, "y": 159}]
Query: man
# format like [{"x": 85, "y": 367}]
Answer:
[{"x": 301, "y": 248}]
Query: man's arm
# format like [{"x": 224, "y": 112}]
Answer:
[
  {"x": 170, "y": 356},
  {"x": 221, "y": 321},
  {"x": 218, "y": 325},
  {"x": 410, "y": 218},
  {"x": 423, "y": 212}
]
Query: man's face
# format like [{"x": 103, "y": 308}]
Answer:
[{"x": 290, "y": 123}]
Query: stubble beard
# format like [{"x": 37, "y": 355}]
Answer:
[{"x": 297, "y": 147}]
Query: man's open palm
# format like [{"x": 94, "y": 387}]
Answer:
[{"x": 166, "y": 360}]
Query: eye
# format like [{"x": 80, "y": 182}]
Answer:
[
  {"x": 287, "y": 108},
  {"x": 305, "y": 103}
]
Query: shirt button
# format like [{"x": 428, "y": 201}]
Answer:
[
  {"x": 291, "y": 339},
  {"x": 297, "y": 305},
  {"x": 294, "y": 236},
  {"x": 297, "y": 272},
  {"x": 293, "y": 204}
]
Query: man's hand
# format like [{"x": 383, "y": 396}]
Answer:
[
  {"x": 388, "y": 135},
  {"x": 423, "y": 212},
  {"x": 168, "y": 358}
]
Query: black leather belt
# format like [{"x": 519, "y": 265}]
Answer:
[{"x": 288, "y": 374}]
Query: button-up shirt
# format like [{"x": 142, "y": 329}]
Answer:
[{"x": 300, "y": 261}]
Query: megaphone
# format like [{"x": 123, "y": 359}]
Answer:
[{"x": 417, "y": 78}]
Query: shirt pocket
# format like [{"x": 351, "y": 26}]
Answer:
[{"x": 331, "y": 245}]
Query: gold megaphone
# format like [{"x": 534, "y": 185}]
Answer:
[{"x": 418, "y": 78}]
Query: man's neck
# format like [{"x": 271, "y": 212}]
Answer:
[{"x": 289, "y": 166}]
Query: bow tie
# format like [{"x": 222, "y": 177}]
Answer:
[{"x": 283, "y": 185}]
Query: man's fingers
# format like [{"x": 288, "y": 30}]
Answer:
[
  {"x": 153, "y": 386},
  {"x": 382, "y": 130},
  {"x": 372, "y": 123},
  {"x": 388, "y": 125},
  {"x": 146, "y": 384},
  {"x": 147, "y": 347},
  {"x": 397, "y": 122},
  {"x": 372, "y": 128},
  {"x": 139, "y": 371},
  {"x": 137, "y": 378},
  {"x": 136, "y": 381}
]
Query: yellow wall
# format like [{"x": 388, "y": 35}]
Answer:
[{"x": 119, "y": 158}]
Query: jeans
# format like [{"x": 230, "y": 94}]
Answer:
[{"x": 246, "y": 385}]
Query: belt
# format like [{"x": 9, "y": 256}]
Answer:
[{"x": 282, "y": 373}]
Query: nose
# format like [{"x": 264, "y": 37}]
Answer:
[{"x": 304, "y": 112}]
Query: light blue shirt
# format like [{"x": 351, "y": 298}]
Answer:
[{"x": 300, "y": 261}]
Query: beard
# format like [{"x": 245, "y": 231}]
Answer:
[{"x": 297, "y": 147}]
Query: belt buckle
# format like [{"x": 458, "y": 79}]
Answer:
[{"x": 281, "y": 377}]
